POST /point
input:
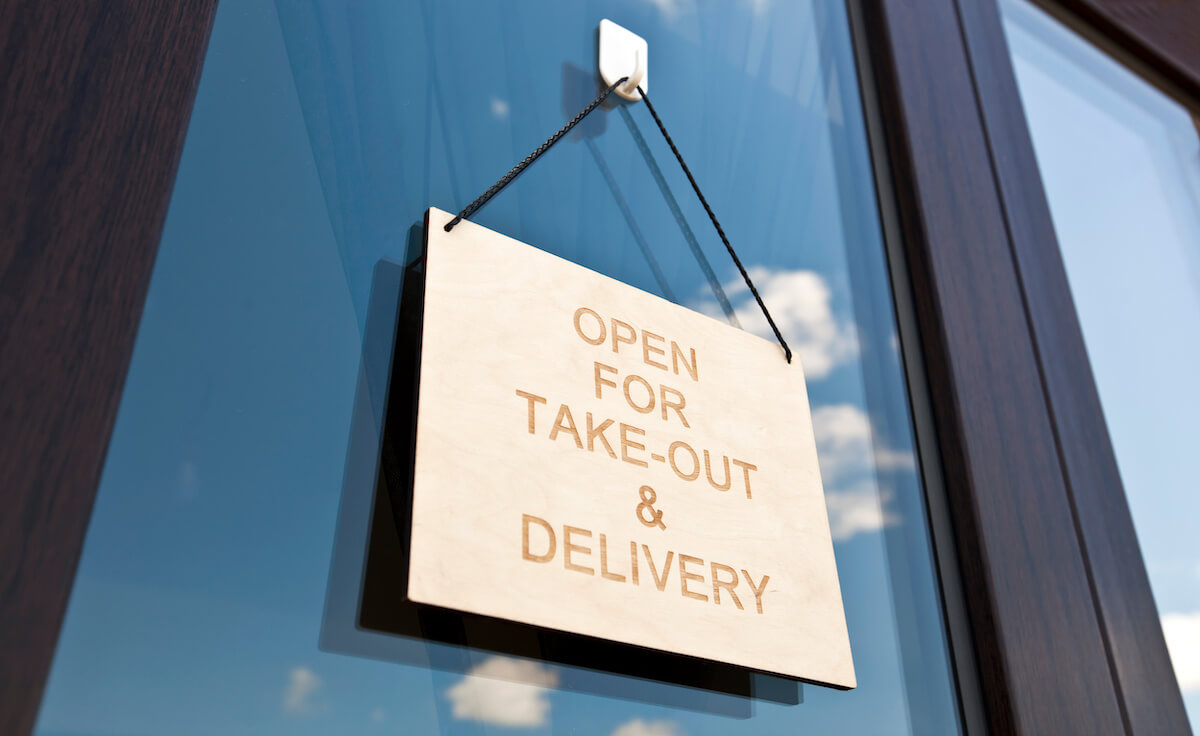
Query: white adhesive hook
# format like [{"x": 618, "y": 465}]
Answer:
[{"x": 623, "y": 53}]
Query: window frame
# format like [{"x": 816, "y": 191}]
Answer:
[
  {"x": 1059, "y": 628},
  {"x": 1009, "y": 378}
]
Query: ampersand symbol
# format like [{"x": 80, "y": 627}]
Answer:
[{"x": 648, "y": 497}]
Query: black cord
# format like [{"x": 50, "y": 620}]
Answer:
[
  {"x": 720, "y": 231},
  {"x": 516, "y": 170}
]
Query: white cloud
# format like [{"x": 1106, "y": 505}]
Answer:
[
  {"x": 189, "y": 481},
  {"x": 669, "y": 8},
  {"x": 858, "y": 510},
  {"x": 1182, "y": 631},
  {"x": 378, "y": 715},
  {"x": 299, "y": 698},
  {"x": 849, "y": 458},
  {"x": 845, "y": 445},
  {"x": 499, "y": 108},
  {"x": 504, "y": 692},
  {"x": 801, "y": 305},
  {"x": 638, "y": 727}
]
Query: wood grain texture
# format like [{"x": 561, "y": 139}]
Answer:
[
  {"x": 1148, "y": 690},
  {"x": 1162, "y": 34},
  {"x": 597, "y": 460},
  {"x": 96, "y": 97},
  {"x": 1040, "y": 647}
]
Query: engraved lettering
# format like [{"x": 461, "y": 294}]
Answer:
[
  {"x": 627, "y": 444},
  {"x": 660, "y": 583},
  {"x": 685, "y": 576},
  {"x": 649, "y": 407},
  {"x": 597, "y": 431},
  {"x": 526, "y": 520},
  {"x": 568, "y": 548},
  {"x": 669, "y": 404},
  {"x": 604, "y": 573},
  {"x": 722, "y": 486},
  {"x": 647, "y": 349},
  {"x": 727, "y": 585},
  {"x": 579, "y": 327},
  {"x": 630, "y": 337},
  {"x": 532, "y": 399},
  {"x": 600, "y": 380},
  {"x": 565, "y": 423},
  {"x": 695, "y": 471},
  {"x": 677, "y": 356},
  {"x": 758, "y": 589},
  {"x": 746, "y": 468}
]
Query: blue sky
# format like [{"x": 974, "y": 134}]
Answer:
[{"x": 320, "y": 134}]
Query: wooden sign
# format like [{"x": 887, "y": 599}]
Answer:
[{"x": 595, "y": 459}]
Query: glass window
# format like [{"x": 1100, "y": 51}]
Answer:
[
  {"x": 218, "y": 587},
  {"x": 1120, "y": 162}
]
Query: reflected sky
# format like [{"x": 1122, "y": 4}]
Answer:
[
  {"x": 1121, "y": 165},
  {"x": 320, "y": 135}
]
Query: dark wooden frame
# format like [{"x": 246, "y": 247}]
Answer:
[
  {"x": 1161, "y": 36},
  {"x": 1064, "y": 629},
  {"x": 96, "y": 97}
]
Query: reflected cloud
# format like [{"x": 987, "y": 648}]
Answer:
[
  {"x": 671, "y": 9},
  {"x": 638, "y": 727},
  {"x": 499, "y": 108},
  {"x": 189, "y": 481},
  {"x": 668, "y": 8},
  {"x": 849, "y": 458},
  {"x": 299, "y": 698},
  {"x": 503, "y": 691},
  {"x": 845, "y": 446},
  {"x": 1182, "y": 631},
  {"x": 801, "y": 304},
  {"x": 858, "y": 510}
]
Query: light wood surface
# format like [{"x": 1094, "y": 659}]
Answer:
[{"x": 521, "y": 513}]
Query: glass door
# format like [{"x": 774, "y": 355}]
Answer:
[{"x": 220, "y": 586}]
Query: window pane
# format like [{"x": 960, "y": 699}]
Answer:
[
  {"x": 1121, "y": 165},
  {"x": 219, "y": 580}
]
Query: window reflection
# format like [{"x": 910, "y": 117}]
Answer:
[{"x": 217, "y": 587}]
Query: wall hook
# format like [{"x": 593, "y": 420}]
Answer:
[{"x": 623, "y": 53}]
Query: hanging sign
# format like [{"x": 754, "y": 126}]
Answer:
[{"x": 595, "y": 459}]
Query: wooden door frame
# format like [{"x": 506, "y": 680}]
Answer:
[
  {"x": 1063, "y": 625},
  {"x": 96, "y": 99},
  {"x": 1066, "y": 634}
]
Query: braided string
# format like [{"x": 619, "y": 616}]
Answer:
[
  {"x": 515, "y": 171},
  {"x": 720, "y": 231}
]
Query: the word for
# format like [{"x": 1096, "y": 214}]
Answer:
[{"x": 646, "y": 397}]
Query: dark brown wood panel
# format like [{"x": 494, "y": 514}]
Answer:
[
  {"x": 1040, "y": 647},
  {"x": 1149, "y": 693},
  {"x": 96, "y": 97},
  {"x": 1162, "y": 34}
]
